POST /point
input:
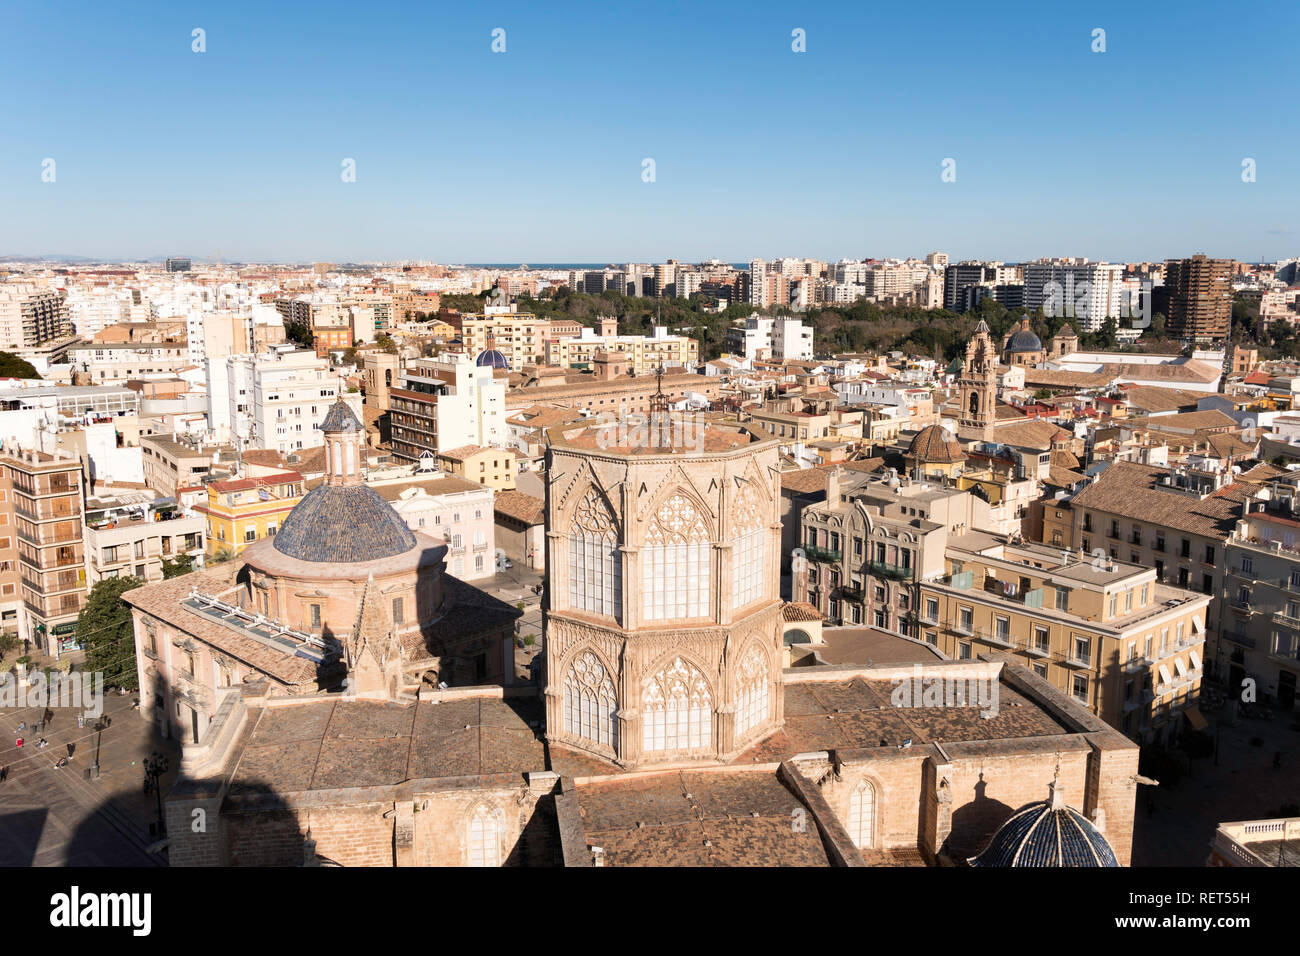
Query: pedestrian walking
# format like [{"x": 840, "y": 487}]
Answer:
[
  {"x": 20, "y": 743},
  {"x": 4, "y": 774},
  {"x": 72, "y": 748}
]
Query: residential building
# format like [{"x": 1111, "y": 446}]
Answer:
[
  {"x": 45, "y": 508},
  {"x": 494, "y": 467},
  {"x": 446, "y": 402},
  {"x": 240, "y": 511},
  {"x": 1200, "y": 297}
]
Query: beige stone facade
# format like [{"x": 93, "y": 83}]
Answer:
[{"x": 664, "y": 626}]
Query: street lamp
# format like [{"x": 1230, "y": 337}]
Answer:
[
  {"x": 154, "y": 767},
  {"x": 100, "y": 725}
]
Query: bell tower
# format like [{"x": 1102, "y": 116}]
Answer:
[
  {"x": 343, "y": 440},
  {"x": 978, "y": 387}
]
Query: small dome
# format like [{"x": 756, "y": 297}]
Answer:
[
  {"x": 341, "y": 418},
  {"x": 491, "y": 358},
  {"x": 1024, "y": 339},
  {"x": 343, "y": 524},
  {"x": 933, "y": 444},
  {"x": 1047, "y": 833}
]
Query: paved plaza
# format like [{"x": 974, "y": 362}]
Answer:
[{"x": 56, "y": 816}]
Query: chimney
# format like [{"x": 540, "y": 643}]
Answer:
[{"x": 833, "y": 486}]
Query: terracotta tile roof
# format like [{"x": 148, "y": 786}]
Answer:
[
  {"x": 1129, "y": 490},
  {"x": 799, "y": 611},
  {"x": 330, "y": 744},
  {"x": 1156, "y": 398},
  {"x": 859, "y": 714},
  {"x": 461, "y": 453},
  {"x": 521, "y": 506},
  {"x": 741, "y": 818},
  {"x": 163, "y": 601},
  {"x": 1031, "y": 433},
  {"x": 244, "y": 484},
  {"x": 1188, "y": 421},
  {"x": 934, "y": 444}
]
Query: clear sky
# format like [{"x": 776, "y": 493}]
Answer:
[{"x": 535, "y": 154}]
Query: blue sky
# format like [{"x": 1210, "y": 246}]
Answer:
[{"x": 536, "y": 154}]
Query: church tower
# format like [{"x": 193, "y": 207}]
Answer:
[{"x": 978, "y": 387}]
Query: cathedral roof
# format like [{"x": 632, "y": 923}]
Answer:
[
  {"x": 1047, "y": 833},
  {"x": 343, "y": 524},
  {"x": 933, "y": 444}
]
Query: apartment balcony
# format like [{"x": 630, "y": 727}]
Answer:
[
  {"x": 1039, "y": 650},
  {"x": 1285, "y": 620},
  {"x": 1240, "y": 639},
  {"x": 43, "y": 512},
  {"x": 993, "y": 636},
  {"x": 1137, "y": 664},
  {"x": 47, "y": 536},
  {"x": 852, "y": 592},
  {"x": 965, "y": 630},
  {"x": 894, "y": 572},
  {"x": 821, "y": 555},
  {"x": 1083, "y": 663},
  {"x": 1140, "y": 701}
]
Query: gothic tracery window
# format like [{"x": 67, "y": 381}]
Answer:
[
  {"x": 675, "y": 563},
  {"x": 484, "y": 838},
  {"x": 754, "y": 697},
  {"x": 862, "y": 815},
  {"x": 590, "y": 702},
  {"x": 677, "y": 709},
  {"x": 595, "y": 565},
  {"x": 748, "y": 553}
]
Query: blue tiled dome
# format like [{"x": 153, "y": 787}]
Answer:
[
  {"x": 492, "y": 358},
  {"x": 340, "y": 418},
  {"x": 343, "y": 524},
  {"x": 1038, "y": 835},
  {"x": 1024, "y": 340}
]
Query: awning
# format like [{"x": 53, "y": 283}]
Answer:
[
  {"x": 1164, "y": 675},
  {"x": 1195, "y": 718},
  {"x": 1180, "y": 667},
  {"x": 1197, "y": 625},
  {"x": 1196, "y": 661}
]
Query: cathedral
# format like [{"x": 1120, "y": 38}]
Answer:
[{"x": 328, "y": 715}]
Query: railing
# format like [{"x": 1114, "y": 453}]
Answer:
[
  {"x": 895, "y": 572},
  {"x": 1039, "y": 650},
  {"x": 822, "y": 555}
]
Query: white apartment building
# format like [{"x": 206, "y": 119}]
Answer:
[
  {"x": 1088, "y": 292},
  {"x": 93, "y": 311},
  {"x": 645, "y": 353},
  {"x": 447, "y": 402},
  {"x": 274, "y": 399},
  {"x": 783, "y": 339}
]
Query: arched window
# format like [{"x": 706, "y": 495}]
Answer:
[
  {"x": 749, "y": 548},
  {"x": 862, "y": 815},
  {"x": 675, "y": 580},
  {"x": 974, "y": 403},
  {"x": 677, "y": 708},
  {"x": 589, "y": 701},
  {"x": 484, "y": 838},
  {"x": 753, "y": 699},
  {"x": 595, "y": 566}
]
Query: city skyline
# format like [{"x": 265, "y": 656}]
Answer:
[{"x": 537, "y": 152}]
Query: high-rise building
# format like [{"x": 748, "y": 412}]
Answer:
[
  {"x": 1089, "y": 292},
  {"x": 1200, "y": 297},
  {"x": 178, "y": 265},
  {"x": 44, "y": 510},
  {"x": 30, "y": 316}
]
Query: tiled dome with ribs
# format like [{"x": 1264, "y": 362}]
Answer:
[
  {"x": 343, "y": 521},
  {"x": 343, "y": 524},
  {"x": 934, "y": 444},
  {"x": 1047, "y": 833}
]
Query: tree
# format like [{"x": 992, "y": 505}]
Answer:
[
  {"x": 105, "y": 630},
  {"x": 175, "y": 567},
  {"x": 11, "y": 366},
  {"x": 386, "y": 343}
]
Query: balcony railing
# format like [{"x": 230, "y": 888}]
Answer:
[
  {"x": 895, "y": 572},
  {"x": 821, "y": 555}
]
